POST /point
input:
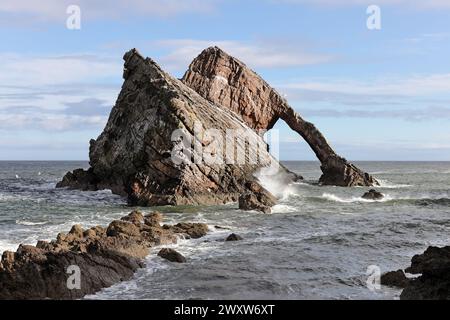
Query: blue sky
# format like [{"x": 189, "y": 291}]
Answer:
[{"x": 375, "y": 94}]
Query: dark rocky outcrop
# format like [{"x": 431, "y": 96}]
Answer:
[
  {"x": 257, "y": 198},
  {"x": 234, "y": 237},
  {"x": 373, "y": 195},
  {"x": 226, "y": 81},
  {"x": 104, "y": 257},
  {"x": 138, "y": 156},
  {"x": 171, "y": 255},
  {"x": 395, "y": 279},
  {"x": 433, "y": 266}
]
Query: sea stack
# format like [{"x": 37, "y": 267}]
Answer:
[
  {"x": 136, "y": 154},
  {"x": 162, "y": 131}
]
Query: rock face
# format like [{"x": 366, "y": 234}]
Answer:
[
  {"x": 434, "y": 282},
  {"x": 257, "y": 198},
  {"x": 158, "y": 147},
  {"x": 226, "y": 81},
  {"x": 373, "y": 195},
  {"x": 171, "y": 255},
  {"x": 395, "y": 279},
  {"x": 104, "y": 256}
]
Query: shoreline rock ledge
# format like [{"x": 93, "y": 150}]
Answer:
[
  {"x": 433, "y": 270},
  {"x": 103, "y": 257},
  {"x": 134, "y": 155}
]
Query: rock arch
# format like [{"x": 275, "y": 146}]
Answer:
[{"x": 224, "y": 80}]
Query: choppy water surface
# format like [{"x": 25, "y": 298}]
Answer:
[{"x": 317, "y": 244}]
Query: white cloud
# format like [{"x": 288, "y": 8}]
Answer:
[
  {"x": 55, "y": 10},
  {"x": 261, "y": 55},
  {"x": 421, "y": 4},
  {"x": 57, "y": 93},
  {"x": 50, "y": 122},
  {"x": 24, "y": 70},
  {"x": 414, "y": 85}
]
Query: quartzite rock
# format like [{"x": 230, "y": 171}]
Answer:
[
  {"x": 226, "y": 81},
  {"x": 133, "y": 155},
  {"x": 103, "y": 257}
]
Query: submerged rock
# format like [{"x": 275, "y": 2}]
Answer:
[
  {"x": 395, "y": 279},
  {"x": 434, "y": 280},
  {"x": 234, "y": 237},
  {"x": 103, "y": 257},
  {"x": 228, "y": 82},
  {"x": 171, "y": 255},
  {"x": 373, "y": 195}
]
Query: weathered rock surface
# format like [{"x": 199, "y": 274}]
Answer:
[
  {"x": 226, "y": 81},
  {"x": 395, "y": 279},
  {"x": 104, "y": 257},
  {"x": 135, "y": 154},
  {"x": 434, "y": 281},
  {"x": 257, "y": 198},
  {"x": 171, "y": 255},
  {"x": 373, "y": 195}
]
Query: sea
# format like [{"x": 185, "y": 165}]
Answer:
[{"x": 318, "y": 243}]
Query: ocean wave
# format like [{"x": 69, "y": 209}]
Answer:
[
  {"x": 277, "y": 184},
  {"x": 419, "y": 201},
  {"x": 7, "y": 246},
  {"x": 283, "y": 208},
  {"x": 429, "y": 202},
  {"x": 5, "y": 197},
  {"x": 388, "y": 185},
  {"x": 335, "y": 198},
  {"x": 30, "y": 223}
]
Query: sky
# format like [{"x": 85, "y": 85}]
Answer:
[{"x": 375, "y": 94}]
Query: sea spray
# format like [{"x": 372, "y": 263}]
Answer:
[{"x": 276, "y": 183}]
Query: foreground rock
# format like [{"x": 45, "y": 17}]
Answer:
[
  {"x": 257, "y": 198},
  {"x": 373, "y": 195},
  {"x": 434, "y": 281},
  {"x": 104, "y": 256},
  {"x": 156, "y": 148},
  {"x": 171, "y": 255},
  {"x": 395, "y": 279},
  {"x": 228, "y": 82}
]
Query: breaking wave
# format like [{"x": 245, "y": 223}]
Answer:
[
  {"x": 335, "y": 198},
  {"x": 421, "y": 201},
  {"x": 29, "y": 223},
  {"x": 388, "y": 185}
]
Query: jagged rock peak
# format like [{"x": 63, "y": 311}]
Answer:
[{"x": 134, "y": 154}]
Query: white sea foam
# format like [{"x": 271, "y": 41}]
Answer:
[
  {"x": 283, "y": 208},
  {"x": 276, "y": 183},
  {"x": 388, "y": 185},
  {"x": 29, "y": 223},
  {"x": 5, "y": 245},
  {"x": 333, "y": 197}
]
